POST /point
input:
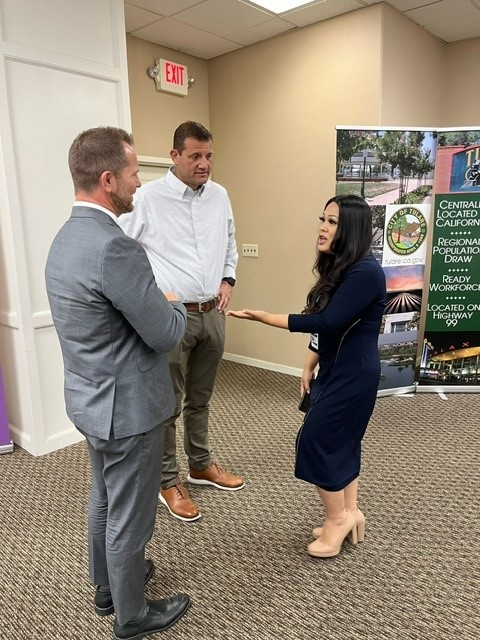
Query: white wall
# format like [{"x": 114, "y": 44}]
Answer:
[{"x": 63, "y": 69}]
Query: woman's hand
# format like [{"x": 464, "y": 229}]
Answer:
[
  {"x": 306, "y": 382},
  {"x": 247, "y": 314},
  {"x": 272, "y": 319},
  {"x": 308, "y": 373}
]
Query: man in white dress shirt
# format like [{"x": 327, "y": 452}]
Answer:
[{"x": 185, "y": 223}]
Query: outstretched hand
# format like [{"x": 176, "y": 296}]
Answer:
[
  {"x": 272, "y": 319},
  {"x": 246, "y": 314}
]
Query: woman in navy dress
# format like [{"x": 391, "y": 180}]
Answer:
[{"x": 343, "y": 314}]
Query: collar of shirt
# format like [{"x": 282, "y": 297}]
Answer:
[
  {"x": 82, "y": 203},
  {"x": 180, "y": 188}
]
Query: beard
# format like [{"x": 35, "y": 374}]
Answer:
[{"x": 122, "y": 203}]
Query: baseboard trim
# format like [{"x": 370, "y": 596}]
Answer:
[{"x": 263, "y": 364}]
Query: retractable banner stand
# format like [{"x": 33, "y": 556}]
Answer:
[
  {"x": 393, "y": 170},
  {"x": 450, "y": 357},
  {"x": 6, "y": 445}
]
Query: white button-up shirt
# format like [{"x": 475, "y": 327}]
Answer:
[{"x": 189, "y": 236}]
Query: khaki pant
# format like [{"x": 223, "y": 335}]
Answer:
[{"x": 193, "y": 368}]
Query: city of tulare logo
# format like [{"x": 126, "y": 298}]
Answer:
[{"x": 406, "y": 231}]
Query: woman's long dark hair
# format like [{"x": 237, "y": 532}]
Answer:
[{"x": 351, "y": 243}]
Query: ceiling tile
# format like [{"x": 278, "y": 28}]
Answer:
[
  {"x": 404, "y": 5},
  {"x": 211, "y": 47},
  {"x": 223, "y": 17},
  {"x": 165, "y": 7},
  {"x": 182, "y": 37},
  {"x": 318, "y": 12},
  {"x": 445, "y": 11},
  {"x": 263, "y": 31},
  {"x": 456, "y": 30},
  {"x": 452, "y": 20},
  {"x": 136, "y": 18}
]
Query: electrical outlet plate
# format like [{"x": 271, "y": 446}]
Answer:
[{"x": 250, "y": 250}]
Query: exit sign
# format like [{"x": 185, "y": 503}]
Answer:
[{"x": 173, "y": 77}]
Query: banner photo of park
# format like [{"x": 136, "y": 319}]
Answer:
[
  {"x": 450, "y": 355},
  {"x": 393, "y": 169}
]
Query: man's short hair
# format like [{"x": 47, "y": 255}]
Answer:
[
  {"x": 190, "y": 129},
  {"x": 94, "y": 151}
]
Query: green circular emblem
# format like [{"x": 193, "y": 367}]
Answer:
[{"x": 406, "y": 231}]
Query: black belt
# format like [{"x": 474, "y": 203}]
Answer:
[{"x": 201, "y": 307}]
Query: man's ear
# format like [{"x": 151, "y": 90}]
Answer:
[
  {"x": 174, "y": 154},
  {"x": 106, "y": 181}
]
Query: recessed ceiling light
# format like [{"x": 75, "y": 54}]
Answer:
[{"x": 280, "y": 6}]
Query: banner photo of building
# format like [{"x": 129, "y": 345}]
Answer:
[
  {"x": 450, "y": 357},
  {"x": 393, "y": 170}
]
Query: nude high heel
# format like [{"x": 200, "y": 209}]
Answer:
[
  {"x": 320, "y": 549},
  {"x": 359, "y": 521}
]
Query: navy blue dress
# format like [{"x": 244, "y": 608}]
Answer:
[{"x": 344, "y": 392}]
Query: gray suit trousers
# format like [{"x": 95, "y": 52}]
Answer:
[{"x": 121, "y": 517}]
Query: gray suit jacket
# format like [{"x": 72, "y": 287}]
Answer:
[{"x": 115, "y": 328}]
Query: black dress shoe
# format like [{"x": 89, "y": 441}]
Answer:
[
  {"x": 161, "y": 615},
  {"x": 103, "y": 599}
]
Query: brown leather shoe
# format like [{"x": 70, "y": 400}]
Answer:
[
  {"x": 179, "y": 503},
  {"x": 217, "y": 477}
]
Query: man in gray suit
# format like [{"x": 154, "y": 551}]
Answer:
[{"x": 115, "y": 329}]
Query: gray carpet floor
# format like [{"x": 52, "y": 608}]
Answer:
[{"x": 244, "y": 563}]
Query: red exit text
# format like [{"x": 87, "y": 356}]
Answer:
[{"x": 174, "y": 73}]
